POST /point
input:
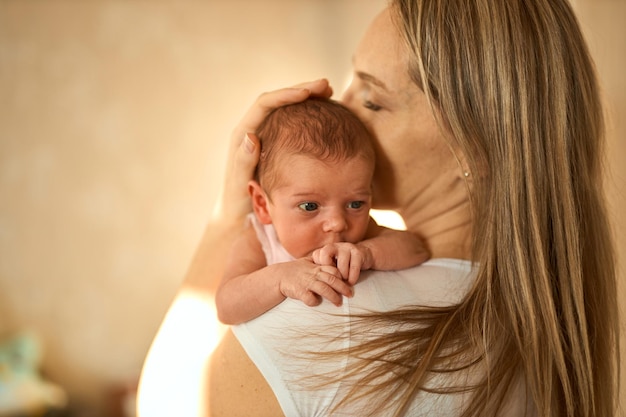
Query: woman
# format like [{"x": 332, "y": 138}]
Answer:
[{"x": 489, "y": 132}]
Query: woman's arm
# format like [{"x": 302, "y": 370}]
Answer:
[{"x": 174, "y": 376}]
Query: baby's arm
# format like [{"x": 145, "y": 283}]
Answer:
[
  {"x": 383, "y": 249},
  {"x": 393, "y": 249},
  {"x": 250, "y": 287}
]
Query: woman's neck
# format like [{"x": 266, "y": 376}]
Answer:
[{"x": 441, "y": 215}]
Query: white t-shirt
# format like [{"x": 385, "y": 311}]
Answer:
[{"x": 278, "y": 340}]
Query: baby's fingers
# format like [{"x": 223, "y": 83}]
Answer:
[
  {"x": 330, "y": 286},
  {"x": 324, "y": 256},
  {"x": 354, "y": 274},
  {"x": 349, "y": 263}
]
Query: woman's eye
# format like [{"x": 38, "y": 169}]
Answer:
[
  {"x": 355, "y": 204},
  {"x": 308, "y": 206},
  {"x": 371, "y": 106}
]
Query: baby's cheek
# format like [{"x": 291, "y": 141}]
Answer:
[
  {"x": 300, "y": 245},
  {"x": 360, "y": 231}
]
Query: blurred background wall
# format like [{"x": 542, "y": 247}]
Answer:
[
  {"x": 603, "y": 25},
  {"x": 114, "y": 117}
]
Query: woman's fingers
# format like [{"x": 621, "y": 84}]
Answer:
[
  {"x": 244, "y": 148},
  {"x": 271, "y": 100},
  {"x": 318, "y": 88},
  {"x": 245, "y": 159}
]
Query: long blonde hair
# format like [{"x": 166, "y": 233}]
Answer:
[{"x": 515, "y": 85}]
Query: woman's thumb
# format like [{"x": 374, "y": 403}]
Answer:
[{"x": 247, "y": 157}]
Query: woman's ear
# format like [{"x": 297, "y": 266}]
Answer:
[{"x": 260, "y": 202}]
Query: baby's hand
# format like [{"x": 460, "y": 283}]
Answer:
[
  {"x": 309, "y": 282},
  {"x": 349, "y": 259}
]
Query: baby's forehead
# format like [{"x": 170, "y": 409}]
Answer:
[
  {"x": 290, "y": 161},
  {"x": 301, "y": 168}
]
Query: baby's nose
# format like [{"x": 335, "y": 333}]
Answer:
[{"x": 335, "y": 222}]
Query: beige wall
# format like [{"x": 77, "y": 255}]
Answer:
[{"x": 113, "y": 122}]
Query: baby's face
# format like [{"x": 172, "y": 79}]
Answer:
[{"x": 317, "y": 203}]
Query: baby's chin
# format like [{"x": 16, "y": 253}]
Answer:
[
  {"x": 308, "y": 254},
  {"x": 301, "y": 253},
  {"x": 305, "y": 254}
]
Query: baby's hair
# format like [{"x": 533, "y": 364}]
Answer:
[{"x": 321, "y": 128}]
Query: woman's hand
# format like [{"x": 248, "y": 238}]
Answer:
[{"x": 244, "y": 148}]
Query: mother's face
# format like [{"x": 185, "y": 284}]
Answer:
[{"x": 409, "y": 143}]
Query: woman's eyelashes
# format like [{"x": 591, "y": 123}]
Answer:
[
  {"x": 371, "y": 106},
  {"x": 365, "y": 96}
]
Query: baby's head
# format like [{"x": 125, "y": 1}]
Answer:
[
  {"x": 318, "y": 128},
  {"x": 314, "y": 178}
]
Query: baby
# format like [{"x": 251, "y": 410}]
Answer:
[{"x": 311, "y": 233}]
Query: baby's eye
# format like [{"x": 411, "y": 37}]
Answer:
[
  {"x": 355, "y": 204},
  {"x": 371, "y": 106},
  {"x": 308, "y": 206}
]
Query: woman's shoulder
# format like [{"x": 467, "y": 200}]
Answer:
[
  {"x": 234, "y": 384},
  {"x": 270, "y": 339},
  {"x": 437, "y": 282}
]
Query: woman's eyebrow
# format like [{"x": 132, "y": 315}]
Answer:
[{"x": 364, "y": 76}]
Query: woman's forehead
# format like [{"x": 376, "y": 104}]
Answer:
[{"x": 381, "y": 58}]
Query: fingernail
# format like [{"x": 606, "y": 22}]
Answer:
[{"x": 248, "y": 144}]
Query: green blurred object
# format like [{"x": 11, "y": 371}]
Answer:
[{"x": 23, "y": 391}]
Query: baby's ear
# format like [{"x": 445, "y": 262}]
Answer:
[{"x": 260, "y": 202}]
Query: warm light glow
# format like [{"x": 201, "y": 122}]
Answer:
[
  {"x": 389, "y": 219},
  {"x": 172, "y": 382},
  {"x": 347, "y": 81}
]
